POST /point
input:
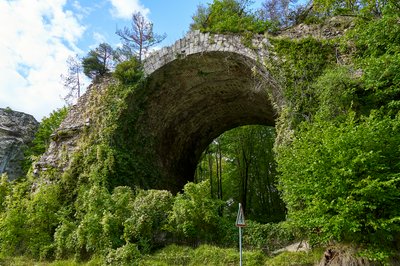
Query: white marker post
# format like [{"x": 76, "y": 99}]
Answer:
[{"x": 240, "y": 223}]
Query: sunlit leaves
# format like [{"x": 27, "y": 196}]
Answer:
[{"x": 340, "y": 180}]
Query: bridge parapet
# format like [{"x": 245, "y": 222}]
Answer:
[{"x": 196, "y": 42}]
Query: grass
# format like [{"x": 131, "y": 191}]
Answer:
[
  {"x": 24, "y": 261},
  {"x": 203, "y": 255},
  {"x": 302, "y": 258},
  {"x": 183, "y": 255}
]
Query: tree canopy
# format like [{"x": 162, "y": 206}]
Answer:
[{"x": 99, "y": 61}]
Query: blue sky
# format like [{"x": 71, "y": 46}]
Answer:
[{"x": 39, "y": 35}]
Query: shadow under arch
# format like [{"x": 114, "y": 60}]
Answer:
[{"x": 192, "y": 100}]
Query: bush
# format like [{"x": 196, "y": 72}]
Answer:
[
  {"x": 195, "y": 215},
  {"x": 268, "y": 237},
  {"x": 128, "y": 72},
  {"x": 339, "y": 180},
  {"x": 126, "y": 255},
  {"x": 149, "y": 216}
]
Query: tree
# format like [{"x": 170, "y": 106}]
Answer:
[
  {"x": 43, "y": 136},
  {"x": 372, "y": 7},
  {"x": 200, "y": 18},
  {"x": 275, "y": 10},
  {"x": 227, "y": 16},
  {"x": 139, "y": 38},
  {"x": 241, "y": 164},
  {"x": 340, "y": 180},
  {"x": 72, "y": 80},
  {"x": 99, "y": 61}
]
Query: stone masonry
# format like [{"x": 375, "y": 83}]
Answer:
[{"x": 196, "y": 42}]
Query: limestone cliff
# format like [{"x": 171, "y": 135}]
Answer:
[{"x": 17, "y": 129}]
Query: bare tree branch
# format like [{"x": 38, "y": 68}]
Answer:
[{"x": 139, "y": 37}]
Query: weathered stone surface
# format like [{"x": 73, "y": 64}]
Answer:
[
  {"x": 196, "y": 42},
  {"x": 331, "y": 28},
  {"x": 16, "y": 131},
  {"x": 64, "y": 139}
]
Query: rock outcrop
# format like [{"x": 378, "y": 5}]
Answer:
[{"x": 17, "y": 129}]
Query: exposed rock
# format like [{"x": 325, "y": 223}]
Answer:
[
  {"x": 296, "y": 247},
  {"x": 16, "y": 131},
  {"x": 331, "y": 28},
  {"x": 64, "y": 139}
]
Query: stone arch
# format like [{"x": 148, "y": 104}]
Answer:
[
  {"x": 195, "y": 90},
  {"x": 199, "y": 88}
]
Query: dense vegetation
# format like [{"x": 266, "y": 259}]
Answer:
[{"x": 335, "y": 161}]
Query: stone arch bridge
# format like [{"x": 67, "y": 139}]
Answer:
[{"x": 198, "y": 88}]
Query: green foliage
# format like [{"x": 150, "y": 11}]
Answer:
[
  {"x": 211, "y": 255},
  {"x": 337, "y": 173},
  {"x": 203, "y": 255},
  {"x": 341, "y": 183},
  {"x": 267, "y": 237},
  {"x": 382, "y": 82},
  {"x": 170, "y": 255},
  {"x": 195, "y": 215},
  {"x": 377, "y": 44},
  {"x": 356, "y": 7},
  {"x": 5, "y": 188},
  {"x": 337, "y": 93},
  {"x": 42, "y": 220},
  {"x": 8, "y": 109},
  {"x": 125, "y": 255},
  {"x": 13, "y": 232},
  {"x": 43, "y": 136},
  {"x": 98, "y": 62},
  {"x": 111, "y": 221},
  {"x": 223, "y": 16},
  {"x": 128, "y": 72},
  {"x": 301, "y": 63},
  {"x": 297, "y": 258},
  {"x": 149, "y": 216},
  {"x": 247, "y": 171}
]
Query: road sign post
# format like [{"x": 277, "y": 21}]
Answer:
[{"x": 240, "y": 222}]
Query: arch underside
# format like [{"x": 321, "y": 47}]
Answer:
[{"x": 195, "y": 99}]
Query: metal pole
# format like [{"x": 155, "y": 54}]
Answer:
[{"x": 240, "y": 244}]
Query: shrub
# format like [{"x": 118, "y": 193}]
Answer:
[
  {"x": 149, "y": 216},
  {"x": 125, "y": 255},
  {"x": 128, "y": 72},
  {"x": 267, "y": 237},
  {"x": 339, "y": 180},
  {"x": 194, "y": 214}
]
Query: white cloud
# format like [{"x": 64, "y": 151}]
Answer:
[
  {"x": 37, "y": 37},
  {"x": 124, "y": 8},
  {"x": 99, "y": 38},
  {"x": 82, "y": 11}
]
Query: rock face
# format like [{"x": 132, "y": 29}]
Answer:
[{"x": 16, "y": 131}]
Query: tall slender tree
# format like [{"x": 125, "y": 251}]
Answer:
[
  {"x": 139, "y": 37},
  {"x": 72, "y": 81}
]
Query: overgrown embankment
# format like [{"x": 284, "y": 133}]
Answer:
[{"x": 337, "y": 156}]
